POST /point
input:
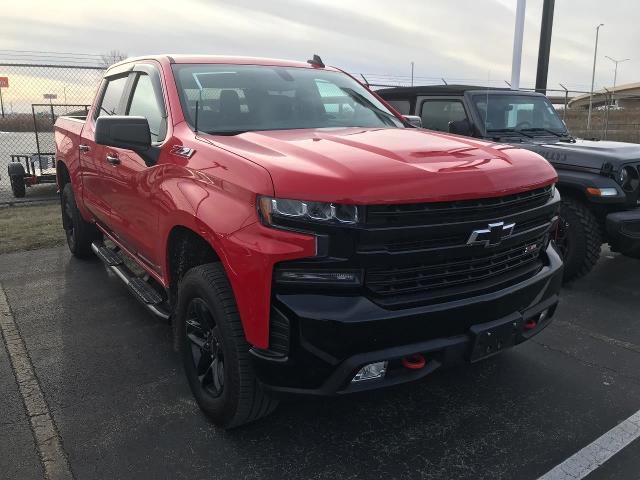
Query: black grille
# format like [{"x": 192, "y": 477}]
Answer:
[
  {"x": 420, "y": 254},
  {"x": 411, "y": 279},
  {"x": 443, "y": 212}
]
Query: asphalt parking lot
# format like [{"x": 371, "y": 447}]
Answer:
[{"x": 122, "y": 408}]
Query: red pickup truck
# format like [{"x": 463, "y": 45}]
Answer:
[{"x": 301, "y": 236}]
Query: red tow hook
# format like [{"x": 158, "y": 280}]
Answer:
[
  {"x": 414, "y": 362},
  {"x": 530, "y": 324}
]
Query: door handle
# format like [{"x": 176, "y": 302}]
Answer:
[
  {"x": 113, "y": 159},
  {"x": 84, "y": 148}
]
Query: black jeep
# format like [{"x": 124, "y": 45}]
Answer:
[{"x": 599, "y": 180}]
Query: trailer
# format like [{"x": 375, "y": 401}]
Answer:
[{"x": 39, "y": 167}]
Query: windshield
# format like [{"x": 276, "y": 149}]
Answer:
[
  {"x": 238, "y": 98},
  {"x": 500, "y": 113}
]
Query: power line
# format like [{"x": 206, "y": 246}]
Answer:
[{"x": 52, "y": 53}]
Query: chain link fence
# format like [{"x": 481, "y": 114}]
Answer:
[
  {"x": 34, "y": 95},
  {"x": 32, "y": 99}
]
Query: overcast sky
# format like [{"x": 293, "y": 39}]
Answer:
[{"x": 460, "y": 40}]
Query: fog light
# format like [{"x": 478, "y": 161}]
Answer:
[{"x": 371, "y": 372}]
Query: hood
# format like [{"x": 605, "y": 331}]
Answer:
[
  {"x": 394, "y": 165},
  {"x": 591, "y": 154}
]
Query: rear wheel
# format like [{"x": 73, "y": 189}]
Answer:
[
  {"x": 214, "y": 351},
  {"x": 18, "y": 186},
  {"x": 578, "y": 238},
  {"x": 80, "y": 233}
]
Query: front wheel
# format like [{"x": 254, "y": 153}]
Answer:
[
  {"x": 214, "y": 351},
  {"x": 578, "y": 238}
]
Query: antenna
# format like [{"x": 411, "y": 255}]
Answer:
[
  {"x": 196, "y": 119},
  {"x": 366, "y": 82},
  {"x": 316, "y": 61},
  {"x": 486, "y": 112}
]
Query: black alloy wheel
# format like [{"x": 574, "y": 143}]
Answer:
[
  {"x": 214, "y": 350},
  {"x": 205, "y": 342}
]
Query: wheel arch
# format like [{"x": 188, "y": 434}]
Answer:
[
  {"x": 62, "y": 174},
  {"x": 185, "y": 248}
]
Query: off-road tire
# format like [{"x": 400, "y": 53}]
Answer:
[
  {"x": 18, "y": 186},
  {"x": 584, "y": 236},
  {"x": 80, "y": 233},
  {"x": 242, "y": 399}
]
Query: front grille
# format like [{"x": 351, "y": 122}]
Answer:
[
  {"x": 442, "y": 212},
  {"x": 418, "y": 254},
  {"x": 421, "y": 277}
]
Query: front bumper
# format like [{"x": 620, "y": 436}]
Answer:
[
  {"x": 623, "y": 230},
  {"x": 333, "y": 337}
]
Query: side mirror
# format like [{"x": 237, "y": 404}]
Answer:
[
  {"x": 413, "y": 120},
  {"x": 131, "y": 133},
  {"x": 461, "y": 127}
]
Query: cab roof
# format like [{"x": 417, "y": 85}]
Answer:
[
  {"x": 223, "y": 59},
  {"x": 443, "y": 90}
]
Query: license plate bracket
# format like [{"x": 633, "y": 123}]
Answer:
[{"x": 494, "y": 337}]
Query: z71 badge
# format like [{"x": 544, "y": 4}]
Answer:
[{"x": 181, "y": 151}]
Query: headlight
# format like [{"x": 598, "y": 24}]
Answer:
[
  {"x": 623, "y": 176},
  {"x": 628, "y": 179},
  {"x": 321, "y": 212}
]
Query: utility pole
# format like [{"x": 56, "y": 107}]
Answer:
[
  {"x": 615, "y": 75},
  {"x": 517, "y": 45},
  {"x": 593, "y": 76},
  {"x": 544, "y": 49},
  {"x": 412, "y": 74}
]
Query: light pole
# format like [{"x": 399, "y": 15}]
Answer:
[
  {"x": 593, "y": 77},
  {"x": 615, "y": 74},
  {"x": 517, "y": 44}
]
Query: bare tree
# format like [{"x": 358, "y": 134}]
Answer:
[{"x": 114, "y": 56}]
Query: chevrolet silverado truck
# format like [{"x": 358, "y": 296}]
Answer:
[
  {"x": 299, "y": 234},
  {"x": 599, "y": 181}
]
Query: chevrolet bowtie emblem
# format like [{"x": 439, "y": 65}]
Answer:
[{"x": 491, "y": 236}]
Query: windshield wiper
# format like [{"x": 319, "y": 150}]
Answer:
[
  {"x": 541, "y": 129},
  {"x": 508, "y": 130},
  {"x": 227, "y": 132},
  {"x": 561, "y": 135}
]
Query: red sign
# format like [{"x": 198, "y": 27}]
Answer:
[{"x": 4, "y": 82}]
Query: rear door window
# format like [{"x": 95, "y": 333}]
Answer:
[
  {"x": 112, "y": 95},
  {"x": 436, "y": 114}
]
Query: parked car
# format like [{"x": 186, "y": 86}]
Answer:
[
  {"x": 301, "y": 237},
  {"x": 599, "y": 181}
]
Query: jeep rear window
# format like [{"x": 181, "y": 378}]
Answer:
[{"x": 233, "y": 99}]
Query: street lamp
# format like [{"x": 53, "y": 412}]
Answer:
[
  {"x": 615, "y": 74},
  {"x": 593, "y": 76}
]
